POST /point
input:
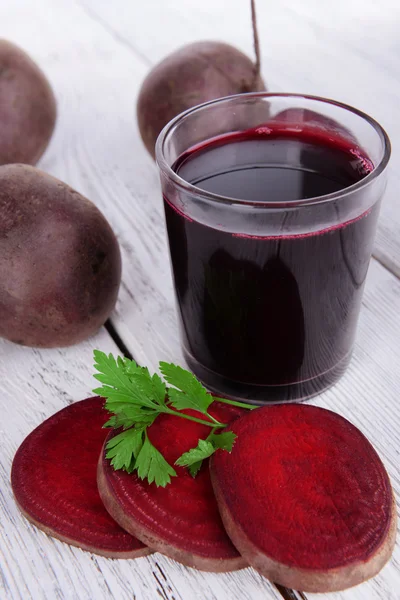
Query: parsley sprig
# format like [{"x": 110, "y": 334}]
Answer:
[{"x": 135, "y": 399}]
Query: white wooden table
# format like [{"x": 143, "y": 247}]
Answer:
[{"x": 96, "y": 54}]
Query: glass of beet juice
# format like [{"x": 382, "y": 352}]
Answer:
[{"x": 271, "y": 204}]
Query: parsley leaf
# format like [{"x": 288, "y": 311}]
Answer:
[
  {"x": 190, "y": 392},
  {"x": 130, "y": 392},
  {"x": 125, "y": 448},
  {"x": 151, "y": 465},
  {"x": 224, "y": 440},
  {"x": 132, "y": 450},
  {"x": 129, "y": 416},
  {"x": 195, "y": 468},
  {"x": 203, "y": 450},
  {"x": 135, "y": 399},
  {"x": 116, "y": 382},
  {"x": 194, "y": 457},
  {"x": 148, "y": 387}
]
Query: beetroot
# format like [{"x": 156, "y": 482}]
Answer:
[
  {"x": 60, "y": 262},
  {"x": 305, "y": 498},
  {"x": 54, "y": 482},
  {"x": 27, "y": 107},
  {"x": 192, "y": 75},
  {"x": 182, "y": 519}
]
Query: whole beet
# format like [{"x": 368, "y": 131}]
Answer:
[
  {"x": 194, "y": 74},
  {"x": 27, "y": 107},
  {"x": 60, "y": 264}
]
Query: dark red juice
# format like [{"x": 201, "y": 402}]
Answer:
[{"x": 270, "y": 317}]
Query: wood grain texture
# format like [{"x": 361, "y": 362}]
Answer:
[
  {"x": 310, "y": 63},
  {"x": 368, "y": 397},
  {"x": 35, "y": 384},
  {"x": 96, "y": 54},
  {"x": 348, "y": 50},
  {"x": 95, "y": 79}
]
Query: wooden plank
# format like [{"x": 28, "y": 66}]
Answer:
[
  {"x": 96, "y": 149},
  {"x": 90, "y": 72},
  {"x": 368, "y": 396},
  {"x": 348, "y": 51},
  {"x": 146, "y": 320},
  {"x": 35, "y": 384}
]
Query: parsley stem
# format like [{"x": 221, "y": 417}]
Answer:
[
  {"x": 216, "y": 424},
  {"x": 213, "y": 419},
  {"x": 211, "y": 433},
  {"x": 235, "y": 403}
]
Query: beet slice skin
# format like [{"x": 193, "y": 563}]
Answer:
[
  {"x": 53, "y": 478},
  {"x": 305, "y": 498},
  {"x": 181, "y": 520}
]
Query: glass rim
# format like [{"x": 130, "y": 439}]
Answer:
[{"x": 219, "y": 199}]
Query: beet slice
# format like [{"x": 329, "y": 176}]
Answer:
[
  {"x": 305, "y": 498},
  {"x": 181, "y": 520},
  {"x": 53, "y": 478}
]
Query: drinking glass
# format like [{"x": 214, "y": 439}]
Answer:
[{"x": 268, "y": 270}]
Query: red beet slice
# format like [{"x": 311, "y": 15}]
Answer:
[
  {"x": 181, "y": 520},
  {"x": 305, "y": 498},
  {"x": 54, "y": 482}
]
